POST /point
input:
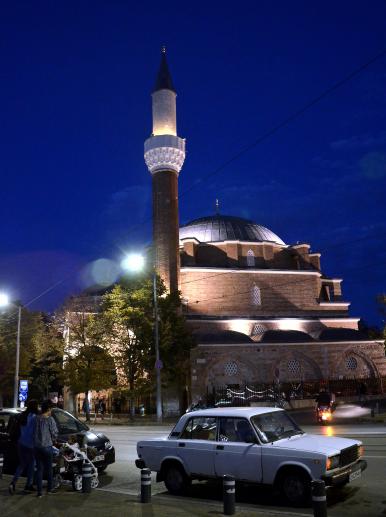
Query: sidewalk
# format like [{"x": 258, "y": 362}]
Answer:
[{"x": 67, "y": 503}]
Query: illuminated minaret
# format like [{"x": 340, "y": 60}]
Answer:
[{"x": 164, "y": 157}]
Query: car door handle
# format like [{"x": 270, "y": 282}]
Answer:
[
  {"x": 181, "y": 445},
  {"x": 220, "y": 447}
]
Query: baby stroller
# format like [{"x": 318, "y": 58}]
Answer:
[{"x": 68, "y": 464}]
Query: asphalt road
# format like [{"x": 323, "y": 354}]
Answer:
[{"x": 364, "y": 497}]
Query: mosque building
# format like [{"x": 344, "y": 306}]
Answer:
[{"x": 261, "y": 310}]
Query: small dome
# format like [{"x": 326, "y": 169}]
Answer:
[
  {"x": 227, "y": 228},
  {"x": 286, "y": 336},
  {"x": 342, "y": 334},
  {"x": 225, "y": 336}
]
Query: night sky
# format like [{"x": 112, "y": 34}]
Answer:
[{"x": 75, "y": 110}]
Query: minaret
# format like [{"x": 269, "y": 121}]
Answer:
[{"x": 164, "y": 157}]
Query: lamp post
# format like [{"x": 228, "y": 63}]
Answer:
[
  {"x": 4, "y": 302},
  {"x": 135, "y": 262}
]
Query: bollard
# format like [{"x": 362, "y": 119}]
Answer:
[
  {"x": 229, "y": 495},
  {"x": 86, "y": 477},
  {"x": 1, "y": 464},
  {"x": 319, "y": 500},
  {"x": 145, "y": 486}
]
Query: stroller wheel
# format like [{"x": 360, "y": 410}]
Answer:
[
  {"x": 77, "y": 483},
  {"x": 57, "y": 481}
]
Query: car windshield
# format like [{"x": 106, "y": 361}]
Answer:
[
  {"x": 275, "y": 426},
  {"x": 67, "y": 423}
]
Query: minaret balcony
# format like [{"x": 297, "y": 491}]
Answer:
[{"x": 164, "y": 152}]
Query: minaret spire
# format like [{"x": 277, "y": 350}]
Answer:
[
  {"x": 164, "y": 157},
  {"x": 164, "y": 79}
]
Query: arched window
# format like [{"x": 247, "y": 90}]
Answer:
[
  {"x": 250, "y": 258},
  {"x": 256, "y": 295}
]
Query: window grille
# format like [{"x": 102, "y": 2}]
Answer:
[
  {"x": 250, "y": 258},
  {"x": 256, "y": 295},
  {"x": 230, "y": 369},
  {"x": 351, "y": 363},
  {"x": 293, "y": 366},
  {"x": 258, "y": 329}
]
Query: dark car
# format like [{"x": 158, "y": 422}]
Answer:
[{"x": 68, "y": 425}]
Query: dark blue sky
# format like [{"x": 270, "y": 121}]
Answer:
[{"x": 75, "y": 110}]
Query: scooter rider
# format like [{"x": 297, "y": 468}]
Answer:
[{"x": 323, "y": 399}]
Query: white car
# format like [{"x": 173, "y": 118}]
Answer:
[{"x": 255, "y": 445}]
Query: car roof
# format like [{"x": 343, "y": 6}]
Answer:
[
  {"x": 10, "y": 410},
  {"x": 246, "y": 412}
]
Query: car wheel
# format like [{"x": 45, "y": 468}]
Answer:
[
  {"x": 102, "y": 469},
  {"x": 295, "y": 487},
  {"x": 175, "y": 479},
  {"x": 94, "y": 482},
  {"x": 77, "y": 483}
]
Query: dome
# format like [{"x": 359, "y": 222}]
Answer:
[
  {"x": 227, "y": 228},
  {"x": 225, "y": 336}
]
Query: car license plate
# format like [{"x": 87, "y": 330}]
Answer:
[
  {"x": 101, "y": 458},
  {"x": 355, "y": 475}
]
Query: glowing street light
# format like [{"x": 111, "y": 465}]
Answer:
[
  {"x": 135, "y": 262},
  {"x": 4, "y": 302}
]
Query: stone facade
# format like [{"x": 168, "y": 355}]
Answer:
[
  {"x": 264, "y": 312},
  {"x": 220, "y": 365}
]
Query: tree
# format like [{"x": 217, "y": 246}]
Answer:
[
  {"x": 87, "y": 366},
  {"x": 46, "y": 370},
  {"x": 32, "y": 324},
  {"x": 126, "y": 327}
]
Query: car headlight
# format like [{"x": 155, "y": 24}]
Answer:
[
  {"x": 108, "y": 445},
  {"x": 333, "y": 462}
]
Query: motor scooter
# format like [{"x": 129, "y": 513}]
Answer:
[{"x": 324, "y": 414}]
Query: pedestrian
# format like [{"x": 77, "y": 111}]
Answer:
[
  {"x": 362, "y": 393},
  {"x": 86, "y": 407},
  {"x": 97, "y": 403},
  {"x": 60, "y": 402},
  {"x": 45, "y": 433},
  {"x": 25, "y": 446},
  {"x": 102, "y": 408}
]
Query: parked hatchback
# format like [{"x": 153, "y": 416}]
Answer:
[{"x": 67, "y": 425}]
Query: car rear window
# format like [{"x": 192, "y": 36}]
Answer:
[{"x": 66, "y": 423}]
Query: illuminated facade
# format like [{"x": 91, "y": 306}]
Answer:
[{"x": 261, "y": 310}]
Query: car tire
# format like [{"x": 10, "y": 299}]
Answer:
[
  {"x": 175, "y": 479},
  {"x": 295, "y": 487},
  {"x": 102, "y": 469}
]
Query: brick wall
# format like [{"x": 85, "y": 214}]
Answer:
[
  {"x": 219, "y": 293},
  {"x": 262, "y": 363},
  {"x": 165, "y": 227}
]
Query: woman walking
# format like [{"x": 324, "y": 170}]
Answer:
[
  {"x": 45, "y": 434},
  {"x": 25, "y": 447}
]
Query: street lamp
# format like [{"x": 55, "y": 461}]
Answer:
[
  {"x": 136, "y": 262},
  {"x": 4, "y": 302}
]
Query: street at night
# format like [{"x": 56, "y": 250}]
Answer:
[
  {"x": 366, "y": 494},
  {"x": 192, "y": 269}
]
